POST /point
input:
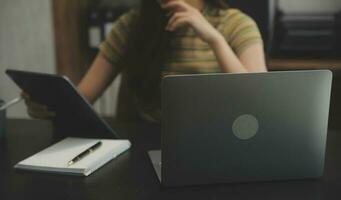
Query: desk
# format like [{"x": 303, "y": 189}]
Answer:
[
  {"x": 304, "y": 64},
  {"x": 131, "y": 176}
]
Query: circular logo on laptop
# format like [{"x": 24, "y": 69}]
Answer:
[{"x": 245, "y": 127}]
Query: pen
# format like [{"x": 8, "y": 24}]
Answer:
[
  {"x": 85, "y": 153},
  {"x": 11, "y": 103}
]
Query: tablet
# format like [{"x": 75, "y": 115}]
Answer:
[{"x": 74, "y": 114}]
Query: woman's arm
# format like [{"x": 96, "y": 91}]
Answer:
[
  {"x": 104, "y": 70},
  {"x": 97, "y": 79},
  {"x": 101, "y": 73},
  {"x": 250, "y": 60}
]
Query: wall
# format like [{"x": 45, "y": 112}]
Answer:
[
  {"x": 120, "y": 2},
  {"x": 287, "y": 5},
  {"x": 310, "y": 5},
  {"x": 26, "y": 42}
]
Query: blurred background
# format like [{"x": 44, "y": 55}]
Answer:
[{"x": 62, "y": 36}]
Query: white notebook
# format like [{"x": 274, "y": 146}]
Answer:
[{"x": 55, "y": 159}]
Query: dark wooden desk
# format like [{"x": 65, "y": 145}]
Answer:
[
  {"x": 131, "y": 176},
  {"x": 304, "y": 64}
]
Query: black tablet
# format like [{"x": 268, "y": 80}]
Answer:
[{"x": 74, "y": 114}]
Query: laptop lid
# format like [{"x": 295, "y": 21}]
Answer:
[{"x": 226, "y": 128}]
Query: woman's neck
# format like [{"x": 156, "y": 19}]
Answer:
[{"x": 199, "y": 4}]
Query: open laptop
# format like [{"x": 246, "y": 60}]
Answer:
[{"x": 226, "y": 128}]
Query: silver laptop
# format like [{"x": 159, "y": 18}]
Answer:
[{"x": 226, "y": 128}]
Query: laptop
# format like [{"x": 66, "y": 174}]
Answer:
[
  {"x": 74, "y": 114},
  {"x": 228, "y": 128}
]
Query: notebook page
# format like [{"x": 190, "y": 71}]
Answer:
[{"x": 58, "y": 155}]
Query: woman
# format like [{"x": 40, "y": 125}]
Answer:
[{"x": 170, "y": 37}]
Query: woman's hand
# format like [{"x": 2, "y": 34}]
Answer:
[
  {"x": 183, "y": 14},
  {"x": 36, "y": 110}
]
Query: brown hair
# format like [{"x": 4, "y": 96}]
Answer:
[{"x": 147, "y": 47}]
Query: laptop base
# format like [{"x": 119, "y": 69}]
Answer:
[{"x": 155, "y": 157}]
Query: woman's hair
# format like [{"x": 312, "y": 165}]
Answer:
[{"x": 147, "y": 47}]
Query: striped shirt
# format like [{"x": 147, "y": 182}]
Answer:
[{"x": 189, "y": 54}]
